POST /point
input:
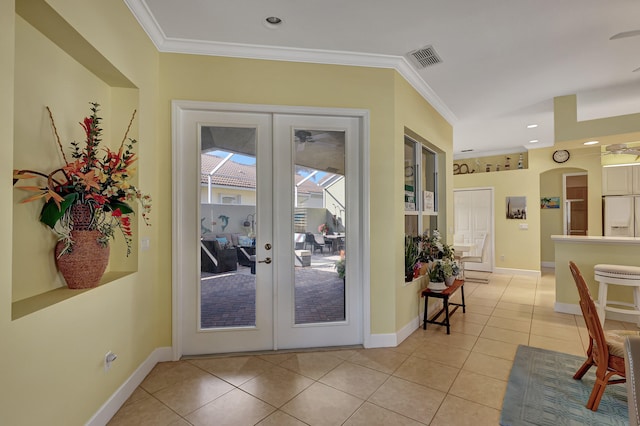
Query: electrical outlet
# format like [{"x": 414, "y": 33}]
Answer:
[
  {"x": 108, "y": 359},
  {"x": 502, "y": 257}
]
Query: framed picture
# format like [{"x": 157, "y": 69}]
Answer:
[
  {"x": 516, "y": 207},
  {"x": 428, "y": 205},
  {"x": 550, "y": 202}
]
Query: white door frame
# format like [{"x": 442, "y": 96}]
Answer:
[
  {"x": 565, "y": 207},
  {"x": 178, "y": 107}
]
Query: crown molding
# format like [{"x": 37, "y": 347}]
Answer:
[{"x": 236, "y": 50}]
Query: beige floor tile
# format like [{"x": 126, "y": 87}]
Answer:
[
  {"x": 511, "y": 314},
  {"x": 479, "y": 388},
  {"x": 408, "y": 399},
  {"x": 137, "y": 395},
  {"x": 439, "y": 336},
  {"x": 556, "y": 331},
  {"x": 276, "y": 386},
  {"x": 280, "y": 418},
  {"x": 320, "y": 404},
  {"x": 458, "y": 325},
  {"x": 189, "y": 395},
  {"x": 491, "y": 366},
  {"x": 168, "y": 373},
  {"x": 478, "y": 309},
  {"x": 146, "y": 411},
  {"x": 496, "y": 348},
  {"x": 233, "y": 408},
  {"x": 503, "y": 335},
  {"x": 344, "y": 353},
  {"x": 235, "y": 370},
  {"x": 355, "y": 379},
  {"x": 472, "y": 317},
  {"x": 428, "y": 373},
  {"x": 372, "y": 415},
  {"x": 381, "y": 359},
  {"x": 460, "y": 412},
  {"x": 523, "y": 325},
  {"x": 410, "y": 344},
  {"x": 480, "y": 301},
  {"x": 447, "y": 355},
  {"x": 558, "y": 345},
  {"x": 312, "y": 364},
  {"x": 276, "y": 358},
  {"x": 508, "y": 306}
]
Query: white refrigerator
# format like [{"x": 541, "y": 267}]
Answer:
[{"x": 622, "y": 216}]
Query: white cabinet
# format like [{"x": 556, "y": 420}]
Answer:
[{"x": 621, "y": 180}]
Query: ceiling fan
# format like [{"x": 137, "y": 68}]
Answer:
[
  {"x": 621, "y": 148},
  {"x": 626, "y": 34}
]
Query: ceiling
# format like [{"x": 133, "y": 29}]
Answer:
[{"x": 503, "y": 61}]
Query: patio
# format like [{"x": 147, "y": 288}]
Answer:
[{"x": 228, "y": 299}]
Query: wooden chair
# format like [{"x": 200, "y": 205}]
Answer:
[{"x": 606, "y": 350}]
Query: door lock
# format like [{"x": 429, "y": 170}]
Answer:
[
  {"x": 267, "y": 246},
  {"x": 267, "y": 261}
]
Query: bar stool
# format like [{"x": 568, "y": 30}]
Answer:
[{"x": 617, "y": 275}]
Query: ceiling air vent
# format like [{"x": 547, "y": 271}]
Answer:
[{"x": 424, "y": 57}]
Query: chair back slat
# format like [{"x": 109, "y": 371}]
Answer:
[{"x": 590, "y": 314}]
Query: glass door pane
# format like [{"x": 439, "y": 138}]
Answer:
[
  {"x": 228, "y": 227},
  {"x": 319, "y": 212}
]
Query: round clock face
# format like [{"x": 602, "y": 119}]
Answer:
[{"x": 561, "y": 156}]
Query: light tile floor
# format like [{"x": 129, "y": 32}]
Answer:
[{"x": 430, "y": 379}]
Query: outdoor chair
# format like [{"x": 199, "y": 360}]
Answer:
[
  {"x": 316, "y": 242},
  {"x": 215, "y": 258},
  {"x": 606, "y": 349}
]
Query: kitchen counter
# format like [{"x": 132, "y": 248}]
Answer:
[{"x": 586, "y": 252}]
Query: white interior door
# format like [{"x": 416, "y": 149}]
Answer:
[
  {"x": 267, "y": 288},
  {"x": 473, "y": 216}
]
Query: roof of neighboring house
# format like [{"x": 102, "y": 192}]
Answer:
[{"x": 244, "y": 176}]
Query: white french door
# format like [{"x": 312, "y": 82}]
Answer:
[{"x": 265, "y": 181}]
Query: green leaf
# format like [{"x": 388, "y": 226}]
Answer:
[
  {"x": 51, "y": 214},
  {"x": 113, "y": 205}
]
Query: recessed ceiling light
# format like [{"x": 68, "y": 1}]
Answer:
[
  {"x": 273, "y": 20},
  {"x": 591, "y": 143},
  {"x": 534, "y": 141},
  {"x": 532, "y": 126}
]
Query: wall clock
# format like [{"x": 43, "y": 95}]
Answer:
[{"x": 561, "y": 156}]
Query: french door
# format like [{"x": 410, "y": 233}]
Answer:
[{"x": 262, "y": 223}]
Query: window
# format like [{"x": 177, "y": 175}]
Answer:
[
  {"x": 421, "y": 195},
  {"x": 229, "y": 199}
]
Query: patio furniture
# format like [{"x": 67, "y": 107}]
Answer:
[
  {"x": 606, "y": 350},
  {"x": 316, "y": 242},
  {"x": 216, "y": 259}
]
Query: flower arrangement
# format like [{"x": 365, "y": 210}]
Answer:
[
  {"x": 341, "y": 264},
  {"x": 98, "y": 185},
  {"x": 323, "y": 229},
  {"x": 411, "y": 256},
  {"x": 432, "y": 247}
]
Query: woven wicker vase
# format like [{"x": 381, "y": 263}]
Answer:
[{"x": 85, "y": 265}]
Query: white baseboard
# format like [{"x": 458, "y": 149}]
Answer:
[
  {"x": 120, "y": 396},
  {"x": 548, "y": 265},
  {"x": 574, "y": 309},
  {"x": 391, "y": 340},
  {"x": 512, "y": 271}
]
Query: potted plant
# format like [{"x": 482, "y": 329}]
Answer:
[
  {"x": 340, "y": 265},
  {"x": 451, "y": 270},
  {"x": 87, "y": 200},
  {"x": 411, "y": 254},
  {"x": 436, "y": 273}
]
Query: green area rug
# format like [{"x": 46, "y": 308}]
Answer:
[{"x": 542, "y": 391}]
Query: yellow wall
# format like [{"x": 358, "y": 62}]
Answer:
[
  {"x": 413, "y": 113},
  {"x": 522, "y": 248},
  {"x": 51, "y": 365},
  {"x": 270, "y": 82}
]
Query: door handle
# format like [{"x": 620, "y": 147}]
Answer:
[{"x": 267, "y": 260}]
